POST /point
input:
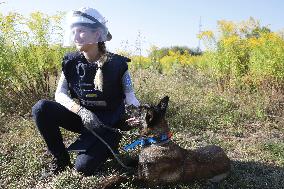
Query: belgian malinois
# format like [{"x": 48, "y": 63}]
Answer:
[{"x": 161, "y": 161}]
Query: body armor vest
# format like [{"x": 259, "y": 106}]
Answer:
[{"x": 80, "y": 78}]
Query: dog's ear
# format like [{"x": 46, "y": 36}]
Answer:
[{"x": 163, "y": 105}]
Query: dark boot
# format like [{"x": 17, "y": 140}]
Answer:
[{"x": 58, "y": 164}]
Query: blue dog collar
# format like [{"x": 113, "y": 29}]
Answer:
[{"x": 148, "y": 141}]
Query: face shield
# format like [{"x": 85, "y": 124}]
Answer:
[{"x": 85, "y": 27}]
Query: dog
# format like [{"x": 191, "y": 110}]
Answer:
[{"x": 162, "y": 161}]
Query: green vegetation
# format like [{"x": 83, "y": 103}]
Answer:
[
  {"x": 29, "y": 63},
  {"x": 231, "y": 95}
]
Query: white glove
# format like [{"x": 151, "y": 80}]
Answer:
[{"x": 90, "y": 120}]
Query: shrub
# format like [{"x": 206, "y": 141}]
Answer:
[
  {"x": 245, "y": 54},
  {"x": 29, "y": 63}
]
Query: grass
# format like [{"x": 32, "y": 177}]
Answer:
[{"x": 249, "y": 126}]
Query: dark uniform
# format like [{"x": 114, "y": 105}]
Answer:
[{"x": 107, "y": 104}]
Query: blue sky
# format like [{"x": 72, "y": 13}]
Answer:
[{"x": 160, "y": 22}]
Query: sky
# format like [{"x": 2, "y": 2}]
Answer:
[{"x": 162, "y": 23}]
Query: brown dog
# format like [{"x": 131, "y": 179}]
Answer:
[{"x": 161, "y": 161}]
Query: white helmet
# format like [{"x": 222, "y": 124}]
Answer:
[{"x": 89, "y": 19}]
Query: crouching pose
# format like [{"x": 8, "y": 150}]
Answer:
[{"x": 100, "y": 82}]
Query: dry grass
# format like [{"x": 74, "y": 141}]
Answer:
[{"x": 249, "y": 126}]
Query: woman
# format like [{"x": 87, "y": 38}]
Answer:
[{"x": 100, "y": 82}]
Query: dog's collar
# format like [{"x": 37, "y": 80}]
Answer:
[{"x": 148, "y": 141}]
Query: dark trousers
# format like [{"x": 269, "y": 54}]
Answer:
[{"x": 49, "y": 116}]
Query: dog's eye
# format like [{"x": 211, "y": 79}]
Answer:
[{"x": 149, "y": 116}]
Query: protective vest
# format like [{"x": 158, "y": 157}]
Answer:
[{"x": 80, "y": 78}]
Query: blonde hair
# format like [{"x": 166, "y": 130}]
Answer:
[{"x": 98, "y": 80}]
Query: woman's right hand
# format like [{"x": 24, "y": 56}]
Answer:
[{"x": 89, "y": 119}]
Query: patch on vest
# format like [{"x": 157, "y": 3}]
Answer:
[
  {"x": 94, "y": 103},
  {"x": 90, "y": 95}
]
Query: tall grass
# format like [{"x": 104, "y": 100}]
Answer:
[
  {"x": 245, "y": 54},
  {"x": 29, "y": 63}
]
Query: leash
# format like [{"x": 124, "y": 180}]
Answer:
[{"x": 107, "y": 145}]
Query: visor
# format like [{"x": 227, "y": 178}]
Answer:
[{"x": 82, "y": 28}]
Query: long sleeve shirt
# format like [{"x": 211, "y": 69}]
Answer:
[{"x": 63, "y": 97}]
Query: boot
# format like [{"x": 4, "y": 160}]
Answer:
[{"x": 58, "y": 164}]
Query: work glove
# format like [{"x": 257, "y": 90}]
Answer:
[{"x": 89, "y": 119}]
